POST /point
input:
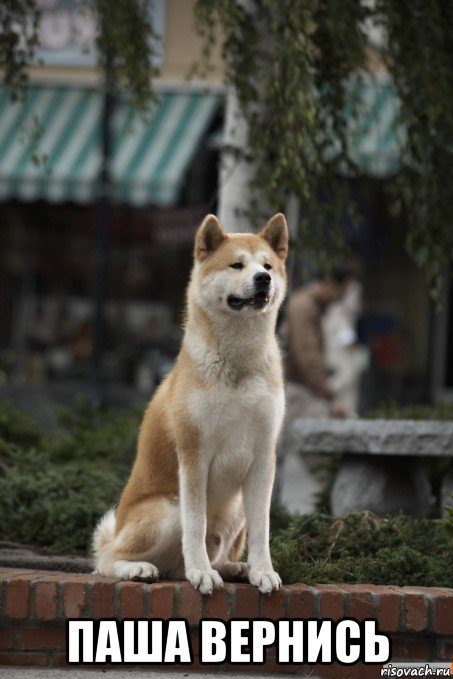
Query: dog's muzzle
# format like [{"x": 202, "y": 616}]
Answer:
[{"x": 260, "y": 298}]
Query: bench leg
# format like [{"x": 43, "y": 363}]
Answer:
[
  {"x": 446, "y": 491},
  {"x": 384, "y": 485}
]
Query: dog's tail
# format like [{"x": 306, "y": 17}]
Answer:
[{"x": 103, "y": 537}]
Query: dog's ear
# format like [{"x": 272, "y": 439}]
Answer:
[
  {"x": 208, "y": 238},
  {"x": 276, "y": 234}
]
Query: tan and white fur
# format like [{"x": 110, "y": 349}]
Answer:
[{"x": 206, "y": 451}]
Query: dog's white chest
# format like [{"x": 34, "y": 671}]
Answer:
[
  {"x": 235, "y": 424},
  {"x": 225, "y": 413}
]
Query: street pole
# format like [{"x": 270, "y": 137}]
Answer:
[{"x": 101, "y": 229}]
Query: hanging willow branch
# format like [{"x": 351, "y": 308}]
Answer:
[
  {"x": 290, "y": 63},
  {"x": 124, "y": 24},
  {"x": 420, "y": 59}
]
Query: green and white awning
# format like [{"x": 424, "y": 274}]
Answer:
[
  {"x": 50, "y": 145},
  {"x": 374, "y": 134}
]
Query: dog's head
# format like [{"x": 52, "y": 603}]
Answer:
[{"x": 240, "y": 273}]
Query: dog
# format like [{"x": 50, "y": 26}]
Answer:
[{"x": 205, "y": 463}]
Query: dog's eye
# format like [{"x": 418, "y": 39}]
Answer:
[
  {"x": 268, "y": 267},
  {"x": 237, "y": 265}
]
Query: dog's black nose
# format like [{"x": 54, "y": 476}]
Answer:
[{"x": 262, "y": 280}]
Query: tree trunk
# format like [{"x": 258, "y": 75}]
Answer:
[{"x": 236, "y": 169}]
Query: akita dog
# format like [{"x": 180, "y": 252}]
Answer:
[{"x": 206, "y": 451}]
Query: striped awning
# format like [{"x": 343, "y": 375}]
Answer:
[
  {"x": 50, "y": 145},
  {"x": 374, "y": 134}
]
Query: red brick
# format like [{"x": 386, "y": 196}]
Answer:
[
  {"x": 371, "y": 671},
  {"x": 6, "y": 637},
  {"x": 247, "y": 601},
  {"x": 17, "y": 596},
  {"x": 24, "y": 659},
  {"x": 415, "y": 612},
  {"x": 40, "y": 638},
  {"x": 361, "y": 603},
  {"x": 398, "y": 648},
  {"x": 46, "y": 600},
  {"x": 332, "y": 602},
  {"x": 74, "y": 599},
  {"x": 417, "y": 649},
  {"x": 7, "y": 572},
  {"x": 195, "y": 641},
  {"x": 273, "y": 605},
  {"x": 445, "y": 649},
  {"x": 103, "y": 598},
  {"x": 444, "y": 615},
  {"x": 189, "y": 603},
  {"x": 53, "y": 576},
  {"x": 132, "y": 600},
  {"x": 161, "y": 604},
  {"x": 217, "y": 605},
  {"x": 388, "y": 613},
  {"x": 58, "y": 660},
  {"x": 435, "y": 591},
  {"x": 302, "y": 601}
]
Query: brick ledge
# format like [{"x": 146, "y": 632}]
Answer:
[{"x": 34, "y": 606}]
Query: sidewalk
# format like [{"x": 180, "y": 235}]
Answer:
[{"x": 86, "y": 673}]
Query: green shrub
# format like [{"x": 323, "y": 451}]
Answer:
[
  {"x": 54, "y": 506},
  {"x": 90, "y": 432},
  {"x": 361, "y": 547},
  {"x": 391, "y": 410},
  {"x": 16, "y": 427},
  {"x": 53, "y": 490}
]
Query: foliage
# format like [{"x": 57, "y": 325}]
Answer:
[
  {"x": 54, "y": 506},
  {"x": 97, "y": 434},
  {"x": 124, "y": 29},
  {"x": 361, "y": 547},
  {"x": 392, "y": 410},
  {"x": 291, "y": 64},
  {"x": 54, "y": 488},
  {"x": 17, "y": 428},
  {"x": 18, "y": 19},
  {"x": 420, "y": 59}
]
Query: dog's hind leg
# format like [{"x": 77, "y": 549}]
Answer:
[
  {"x": 146, "y": 543},
  {"x": 231, "y": 547},
  {"x": 232, "y": 568}
]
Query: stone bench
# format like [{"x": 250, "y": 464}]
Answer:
[{"x": 380, "y": 469}]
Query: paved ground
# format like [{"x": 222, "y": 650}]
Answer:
[{"x": 75, "y": 673}]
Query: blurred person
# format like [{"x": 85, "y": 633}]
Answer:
[
  {"x": 346, "y": 359},
  {"x": 309, "y": 391}
]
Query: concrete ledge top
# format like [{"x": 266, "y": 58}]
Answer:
[{"x": 374, "y": 437}]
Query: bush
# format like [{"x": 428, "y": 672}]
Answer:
[
  {"x": 54, "y": 489},
  {"x": 361, "y": 547},
  {"x": 391, "y": 410}
]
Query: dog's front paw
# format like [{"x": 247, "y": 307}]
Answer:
[
  {"x": 267, "y": 580},
  {"x": 204, "y": 580}
]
